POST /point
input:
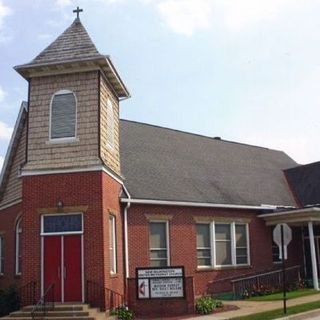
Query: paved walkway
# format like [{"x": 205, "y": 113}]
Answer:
[{"x": 250, "y": 307}]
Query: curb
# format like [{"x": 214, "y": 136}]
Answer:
[{"x": 301, "y": 316}]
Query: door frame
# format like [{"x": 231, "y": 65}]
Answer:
[{"x": 43, "y": 235}]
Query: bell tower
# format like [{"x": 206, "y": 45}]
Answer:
[
  {"x": 73, "y": 114},
  {"x": 72, "y": 176}
]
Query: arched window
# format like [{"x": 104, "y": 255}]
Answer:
[
  {"x": 63, "y": 115},
  {"x": 18, "y": 246},
  {"x": 110, "y": 124}
]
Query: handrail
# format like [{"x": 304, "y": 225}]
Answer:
[
  {"x": 103, "y": 298},
  {"x": 41, "y": 305},
  {"x": 264, "y": 282},
  {"x": 264, "y": 274}
]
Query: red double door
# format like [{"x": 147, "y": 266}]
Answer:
[{"x": 62, "y": 267}]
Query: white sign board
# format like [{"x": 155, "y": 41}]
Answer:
[
  {"x": 287, "y": 237},
  {"x": 166, "y": 288},
  {"x": 155, "y": 283},
  {"x": 160, "y": 273}
]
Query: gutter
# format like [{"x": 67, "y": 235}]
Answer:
[
  {"x": 277, "y": 214},
  {"x": 196, "y": 204}
]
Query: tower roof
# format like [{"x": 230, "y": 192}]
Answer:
[
  {"x": 73, "y": 51},
  {"x": 74, "y": 43}
]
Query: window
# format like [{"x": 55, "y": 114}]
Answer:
[
  {"x": 112, "y": 244},
  {"x": 63, "y": 115},
  {"x": 18, "y": 247},
  {"x": 1, "y": 255},
  {"x": 57, "y": 224},
  {"x": 241, "y": 244},
  {"x": 203, "y": 245},
  {"x": 110, "y": 124},
  {"x": 222, "y": 244},
  {"x": 158, "y": 244}
]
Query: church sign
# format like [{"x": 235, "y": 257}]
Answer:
[{"x": 157, "y": 283}]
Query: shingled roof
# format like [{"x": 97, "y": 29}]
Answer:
[
  {"x": 73, "y": 44},
  {"x": 305, "y": 183},
  {"x": 73, "y": 50},
  {"x": 165, "y": 164}
]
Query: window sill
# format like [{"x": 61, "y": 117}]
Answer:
[
  {"x": 62, "y": 140},
  {"x": 113, "y": 275},
  {"x": 17, "y": 275},
  {"x": 217, "y": 268}
]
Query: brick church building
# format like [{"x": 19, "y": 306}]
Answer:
[{"x": 86, "y": 198}]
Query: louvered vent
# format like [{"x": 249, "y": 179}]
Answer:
[{"x": 63, "y": 116}]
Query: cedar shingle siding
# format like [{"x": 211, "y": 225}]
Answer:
[{"x": 84, "y": 151}]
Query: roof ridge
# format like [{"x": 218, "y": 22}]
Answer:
[{"x": 200, "y": 135}]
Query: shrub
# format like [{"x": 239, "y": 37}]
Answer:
[
  {"x": 123, "y": 313},
  {"x": 9, "y": 301},
  {"x": 207, "y": 304}
]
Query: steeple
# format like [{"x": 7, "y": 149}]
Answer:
[
  {"x": 73, "y": 44},
  {"x": 73, "y": 49}
]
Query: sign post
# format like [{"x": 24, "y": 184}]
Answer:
[{"x": 282, "y": 235}]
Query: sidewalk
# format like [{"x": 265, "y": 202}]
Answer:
[{"x": 250, "y": 307}]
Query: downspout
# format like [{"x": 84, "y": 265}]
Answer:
[{"x": 126, "y": 245}]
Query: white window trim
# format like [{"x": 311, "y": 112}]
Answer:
[
  {"x": 1, "y": 256},
  {"x": 113, "y": 268},
  {"x": 233, "y": 246},
  {"x": 66, "y": 139},
  {"x": 110, "y": 108},
  {"x": 18, "y": 249},
  {"x": 60, "y": 233},
  {"x": 167, "y": 240},
  {"x": 205, "y": 248}
]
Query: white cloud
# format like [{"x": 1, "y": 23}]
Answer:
[
  {"x": 189, "y": 16},
  {"x": 63, "y": 3},
  {"x": 5, "y": 131},
  {"x": 186, "y": 16},
  {"x": 2, "y": 94},
  {"x": 4, "y": 11}
]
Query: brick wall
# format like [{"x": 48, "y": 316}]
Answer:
[
  {"x": 183, "y": 243},
  {"x": 94, "y": 191},
  {"x": 8, "y": 220},
  {"x": 163, "y": 307},
  {"x": 111, "y": 205}
]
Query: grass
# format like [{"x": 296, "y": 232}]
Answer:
[
  {"x": 278, "y": 313},
  {"x": 290, "y": 295}
]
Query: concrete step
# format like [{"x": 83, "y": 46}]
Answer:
[
  {"x": 62, "y": 312},
  {"x": 51, "y": 314},
  {"x": 51, "y": 318}
]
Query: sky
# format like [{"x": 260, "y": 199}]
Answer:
[{"x": 243, "y": 70}]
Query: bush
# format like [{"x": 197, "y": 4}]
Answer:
[
  {"x": 9, "y": 301},
  {"x": 207, "y": 304},
  {"x": 123, "y": 313}
]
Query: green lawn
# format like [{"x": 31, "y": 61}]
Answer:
[
  {"x": 274, "y": 314},
  {"x": 290, "y": 295}
]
